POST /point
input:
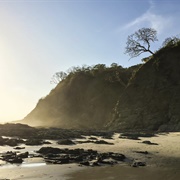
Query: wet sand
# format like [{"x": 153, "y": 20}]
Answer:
[
  {"x": 35, "y": 172},
  {"x": 127, "y": 173},
  {"x": 163, "y": 162}
]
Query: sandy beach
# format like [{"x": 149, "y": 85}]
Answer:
[
  {"x": 163, "y": 162},
  {"x": 127, "y": 173}
]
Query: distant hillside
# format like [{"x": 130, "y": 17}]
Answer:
[
  {"x": 140, "y": 97},
  {"x": 85, "y": 99}
]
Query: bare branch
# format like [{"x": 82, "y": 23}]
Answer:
[{"x": 139, "y": 42}]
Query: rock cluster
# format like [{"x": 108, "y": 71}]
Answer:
[
  {"x": 10, "y": 141},
  {"x": 17, "y": 141},
  {"x": 13, "y": 157},
  {"x": 95, "y": 142},
  {"x": 83, "y": 157}
]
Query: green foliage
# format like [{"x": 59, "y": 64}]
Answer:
[
  {"x": 139, "y": 97},
  {"x": 156, "y": 63},
  {"x": 113, "y": 65},
  {"x": 171, "y": 41},
  {"x": 58, "y": 77},
  {"x": 146, "y": 59},
  {"x": 112, "y": 74},
  {"x": 134, "y": 71},
  {"x": 168, "y": 44}
]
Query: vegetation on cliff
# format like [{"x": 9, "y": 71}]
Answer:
[
  {"x": 84, "y": 99},
  {"x": 145, "y": 96},
  {"x": 152, "y": 97}
]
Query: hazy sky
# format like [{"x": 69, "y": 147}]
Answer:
[{"x": 41, "y": 37}]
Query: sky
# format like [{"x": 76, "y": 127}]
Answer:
[{"x": 41, "y": 37}]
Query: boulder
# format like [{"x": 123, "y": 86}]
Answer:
[
  {"x": 149, "y": 143},
  {"x": 47, "y": 150},
  {"x": 17, "y": 160},
  {"x": 102, "y": 142},
  {"x": 65, "y": 142},
  {"x": 138, "y": 163},
  {"x": 23, "y": 155},
  {"x": 85, "y": 163},
  {"x": 141, "y": 152},
  {"x": 34, "y": 142},
  {"x": 19, "y": 148}
]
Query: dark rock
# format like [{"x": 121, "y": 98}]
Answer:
[
  {"x": 11, "y": 157},
  {"x": 137, "y": 164},
  {"x": 130, "y": 137},
  {"x": 51, "y": 155},
  {"x": 10, "y": 141},
  {"x": 81, "y": 156},
  {"x": 18, "y": 148},
  {"x": 95, "y": 163},
  {"x": 114, "y": 156},
  {"x": 141, "y": 152},
  {"x": 75, "y": 151},
  {"x": 139, "y": 134},
  {"x": 35, "y": 155},
  {"x": 108, "y": 136},
  {"x": 149, "y": 142},
  {"x": 50, "y": 161},
  {"x": 23, "y": 155},
  {"x": 47, "y": 150},
  {"x": 17, "y": 160},
  {"x": 64, "y": 160},
  {"x": 34, "y": 142},
  {"x": 8, "y": 155},
  {"x": 85, "y": 163},
  {"x": 46, "y": 142},
  {"x": 108, "y": 161},
  {"x": 87, "y": 141},
  {"x": 118, "y": 157},
  {"x": 102, "y": 142},
  {"x": 58, "y": 160},
  {"x": 65, "y": 142},
  {"x": 90, "y": 151}
]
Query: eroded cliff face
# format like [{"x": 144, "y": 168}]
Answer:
[
  {"x": 116, "y": 98},
  {"x": 85, "y": 99},
  {"x": 151, "y": 101}
]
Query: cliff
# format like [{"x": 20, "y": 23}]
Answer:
[
  {"x": 141, "y": 97},
  {"x": 151, "y": 100},
  {"x": 84, "y": 99}
]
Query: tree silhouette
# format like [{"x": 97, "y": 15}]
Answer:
[
  {"x": 58, "y": 77},
  {"x": 139, "y": 42},
  {"x": 170, "y": 41}
]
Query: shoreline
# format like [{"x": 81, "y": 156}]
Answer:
[
  {"x": 43, "y": 172},
  {"x": 163, "y": 162}
]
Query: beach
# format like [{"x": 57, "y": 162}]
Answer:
[{"x": 162, "y": 161}]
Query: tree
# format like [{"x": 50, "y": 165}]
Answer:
[
  {"x": 170, "y": 41},
  {"x": 58, "y": 77},
  {"x": 114, "y": 65},
  {"x": 139, "y": 42}
]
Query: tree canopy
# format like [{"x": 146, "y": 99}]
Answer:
[
  {"x": 139, "y": 42},
  {"x": 170, "y": 41},
  {"x": 58, "y": 77}
]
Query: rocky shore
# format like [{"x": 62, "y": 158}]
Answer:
[{"x": 129, "y": 155}]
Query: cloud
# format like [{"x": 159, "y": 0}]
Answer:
[{"x": 150, "y": 19}]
